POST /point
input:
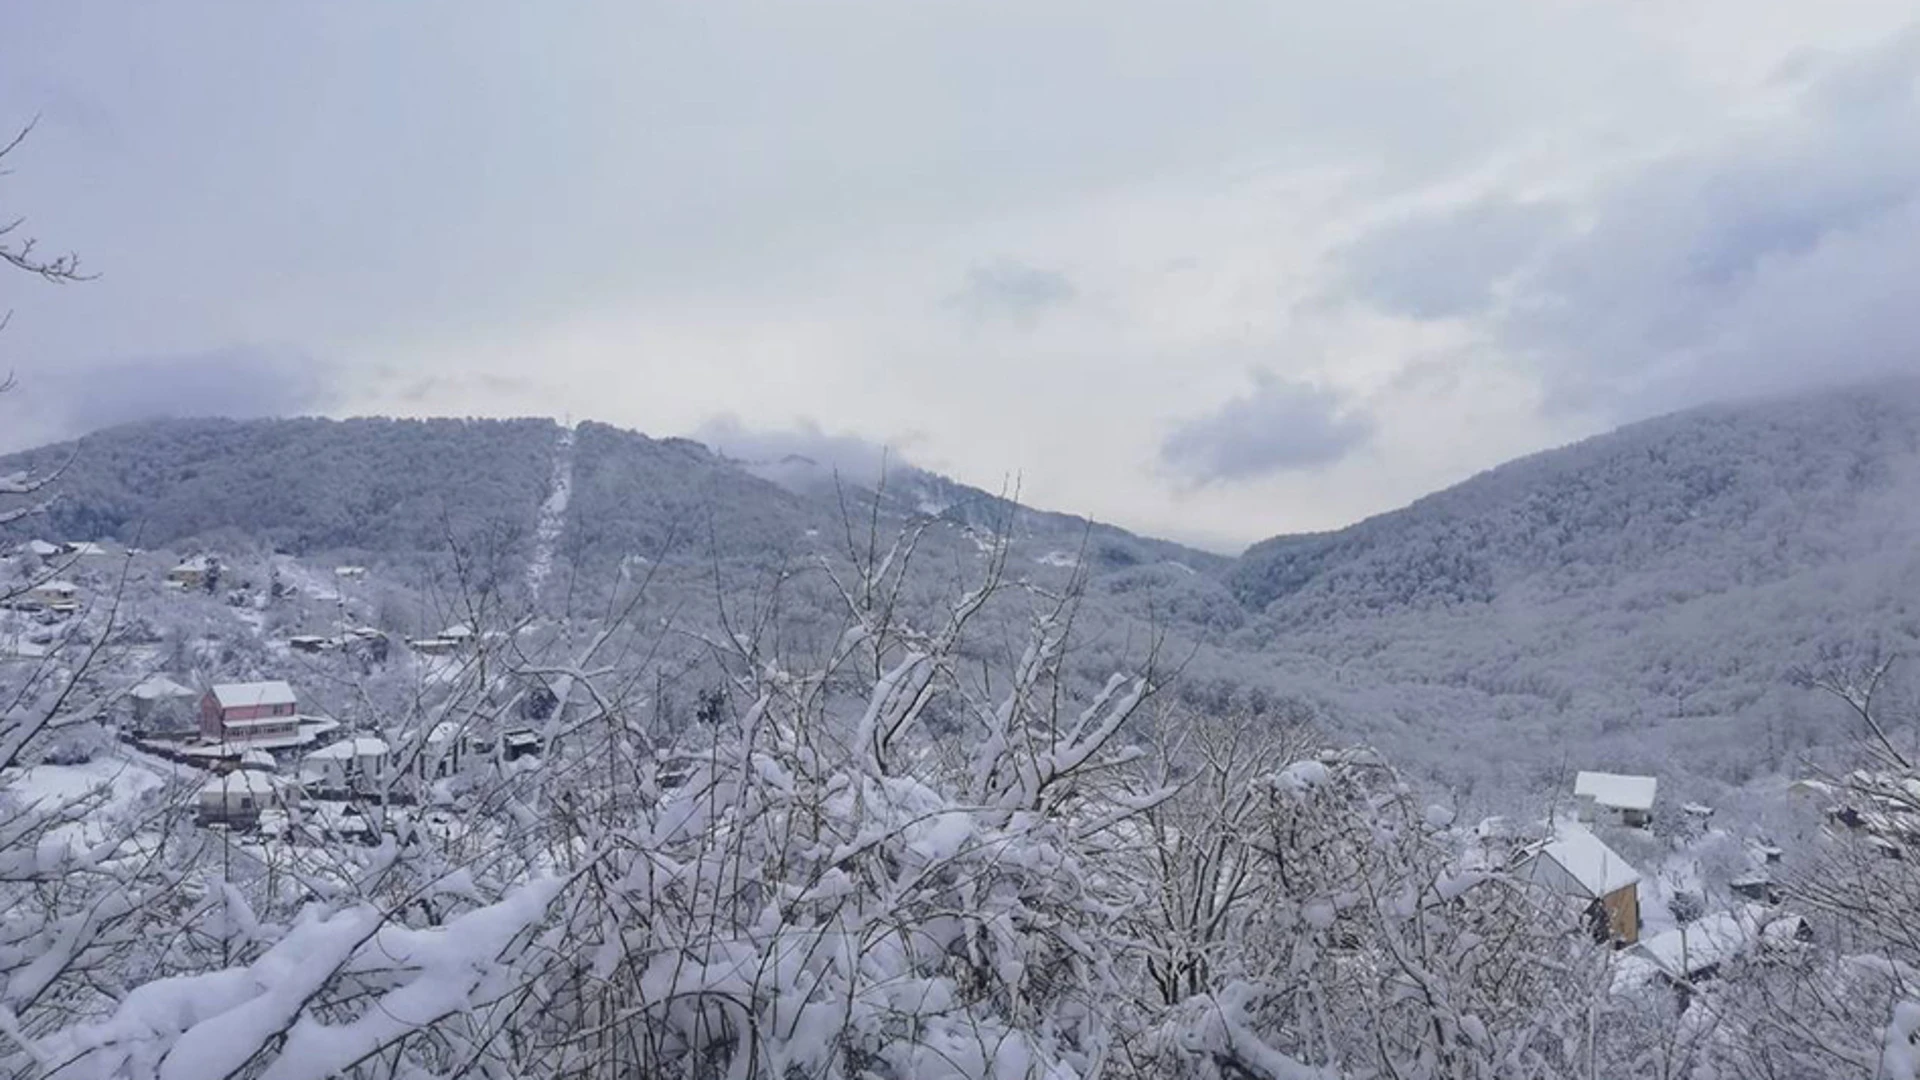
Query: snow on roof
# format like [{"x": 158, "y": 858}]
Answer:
[
  {"x": 241, "y": 695},
  {"x": 84, "y": 547},
  {"x": 240, "y": 782},
  {"x": 457, "y": 632},
  {"x": 257, "y": 759},
  {"x": 1632, "y": 972},
  {"x": 1593, "y": 865},
  {"x": 1712, "y": 939},
  {"x": 1616, "y": 790},
  {"x": 57, "y": 587},
  {"x": 158, "y": 687},
  {"x": 361, "y": 746},
  {"x": 42, "y": 548}
]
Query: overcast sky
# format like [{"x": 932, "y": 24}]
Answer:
[{"x": 1211, "y": 270}]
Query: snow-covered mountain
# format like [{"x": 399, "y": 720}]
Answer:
[
  {"x": 756, "y": 726},
  {"x": 1630, "y": 601},
  {"x": 1723, "y": 497},
  {"x": 385, "y": 486},
  {"x": 1636, "y": 598}
]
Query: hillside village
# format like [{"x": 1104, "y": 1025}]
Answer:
[
  {"x": 1673, "y": 888},
  {"x": 296, "y": 722},
  {"x": 262, "y": 758}
]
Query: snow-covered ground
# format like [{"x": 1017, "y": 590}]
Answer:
[
  {"x": 553, "y": 516},
  {"x": 113, "y": 780}
]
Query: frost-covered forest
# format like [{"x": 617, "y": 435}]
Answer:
[
  {"x": 904, "y": 833},
  {"x": 813, "y": 780},
  {"x": 818, "y": 781},
  {"x": 422, "y": 748},
  {"x": 1633, "y": 601}
]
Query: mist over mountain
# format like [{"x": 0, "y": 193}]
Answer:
[{"x": 1633, "y": 600}]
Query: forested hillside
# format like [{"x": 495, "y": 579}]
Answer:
[
  {"x": 1721, "y": 497},
  {"x": 1637, "y": 598},
  {"x": 304, "y": 485},
  {"x": 633, "y": 495},
  {"x": 951, "y": 780}
]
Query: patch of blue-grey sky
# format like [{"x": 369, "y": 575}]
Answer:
[
  {"x": 1275, "y": 427},
  {"x": 1012, "y": 290}
]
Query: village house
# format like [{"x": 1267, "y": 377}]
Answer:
[
  {"x": 353, "y": 766},
  {"x": 1613, "y": 798},
  {"x": 312, "y": 643},
  {"x": 238, "y": 797},
  {"x": 433, "y": 646},
  {"x": 519, "y": 743},
  {"x": 192, "y": 574},
  {"x": 1694, "y": 953},
  {"x": 1882, "y": 805},
  {"x": 350, "y": 573},
  {"x": 60, "y": 596},
  {"x": 443, "y": 753},
  {"x": 158, "y": 702},
  {"x": 240, "y": 712},
  {"x": 1578, "y": 865}
]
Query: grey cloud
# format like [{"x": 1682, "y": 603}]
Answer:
[
  {"x": 1441, "y": 265},
  {"x": 384, "y": 168},
  {"x": 238, "y": 382},
  {"x": 1012, "y": 290},
  {"x": 799, "y": 456},
  {"x": 1764, "y": 263},
  {"x": 1278, "y": 426}
]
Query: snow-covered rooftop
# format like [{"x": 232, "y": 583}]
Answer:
[
  {"x": 241, "y": 782},
  {"x": 1597, "y": 868},
  {"x": 249, "y": 694},
  {"x": 159, "y": 687},
  {"x": 361, "y": 746},
  {"x": 1713, "y": 939},
  {"x": 1616, "y": 790}
]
